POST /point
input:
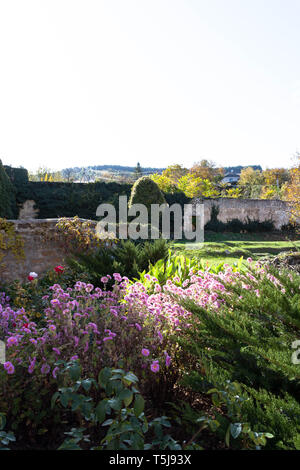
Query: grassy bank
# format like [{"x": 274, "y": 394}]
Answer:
[{"x": 230, "y": 247}]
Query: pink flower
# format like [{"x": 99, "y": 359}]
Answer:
[
  {"x": 154, "y": 366},
  {"x": 8, "y": 366},
  {"x": 45, "y": 369},
  {"x": 31, "y": 365},
  {"x": 117, "y": 277},
  {"x": 168, "y": 359},
  {"x": 104, "y": 279},
  {"x": 12, "y": 340},
  {"x": 145, "y": 352}
]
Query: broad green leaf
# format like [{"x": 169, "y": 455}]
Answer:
[
  {"x": 127, "y": 396},
  {"x": 139, "y": 404}
]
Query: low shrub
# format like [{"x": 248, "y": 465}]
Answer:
[{"x": 249, "y": 340}]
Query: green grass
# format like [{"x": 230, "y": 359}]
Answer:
[{"x": 230, "y": 247}]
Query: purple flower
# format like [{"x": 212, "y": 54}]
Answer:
[
  {"x": 104, "y": 279},
  {"x": 145, "y": 352},
  {"x": 8, "y": 366},
  {"x": 45, "y": 369},
  {"x": 117, "y": 277},
  {"x": 154, "y": 366},
  {"x": 31, "y": 365},
  {"x": 54, "y": 372},
  {"x": 12, "y": 340},
  {"x": 168, "y": 359}
]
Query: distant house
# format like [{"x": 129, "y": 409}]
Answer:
[{"x": 231, "y": 178}]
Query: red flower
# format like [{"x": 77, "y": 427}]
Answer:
[
  {"x": 59, "y": 269},
  {"x": 30, "y": 278},
  {"x": 25, "y": 325}
]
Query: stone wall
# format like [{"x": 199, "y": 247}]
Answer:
[
  {"x": 42, "y": 251},
  {"x": 255, "y": 209}
]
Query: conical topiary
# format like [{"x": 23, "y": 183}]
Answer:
[{"x": 146, "y": 191}]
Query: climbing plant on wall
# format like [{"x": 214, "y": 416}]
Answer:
[{"x": 10, "y": 241}]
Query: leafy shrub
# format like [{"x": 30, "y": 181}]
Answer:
[
  {"x": 145, "y": 191},
  {"x": 113, "y": 402},
  {"x": 126, "y": 258},
  {"x": 249, "y": 341},
  {"x": 101, "y": 327},
  {"x": 224, "y": 419},
  {"x": 5, "y": 437},
  {"x": 180, "y": 268}
]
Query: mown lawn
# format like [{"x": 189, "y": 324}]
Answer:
[{"x": 230, "y": 247}]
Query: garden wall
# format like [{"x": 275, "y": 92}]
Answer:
[
  {"x": 255, "y": 209},
  {"x": 41, "y": 250}
]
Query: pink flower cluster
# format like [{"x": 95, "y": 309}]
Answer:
[{"x": 130, "y": 322}]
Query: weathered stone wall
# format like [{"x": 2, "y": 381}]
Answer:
[
  {"x": 42, "y": 251},
  {"x": 256, "y": 209}
]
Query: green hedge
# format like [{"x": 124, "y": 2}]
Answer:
[
  {"x": 7, "y": 195},
  {"x": 70, "y": 199},
  {"x": 17, "y": 176}
]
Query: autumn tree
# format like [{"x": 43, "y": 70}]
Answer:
[
  {"x": 292, "y": 191},
  {"x": 206, "y": 170},
  {"x": 251, "y": 182},
  {"x": 164, "y": 183},
  {"x": 192, "y": 186},
  {"x": 174, "y": 172}
]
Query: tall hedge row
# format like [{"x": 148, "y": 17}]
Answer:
[
  {"x": 69, "y": 199},
  {"x": 7, "y": 195}
]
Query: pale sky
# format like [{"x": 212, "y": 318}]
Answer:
[{"x": 156, "y": 81}]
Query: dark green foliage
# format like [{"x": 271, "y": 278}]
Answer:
[
  {"x": 127, "y": 258},
  {"x": 112, "y": 408},
  {"x": 7, "y": 195},
  {"x": 69, "y": 199},
  {"x": 146, "y": 191},
  {"x": 249, "y": 340},
  {"x": 18, "y": 176},
  {"x": 236, "y": 225},
  {"x": 177, "y": 198}
]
